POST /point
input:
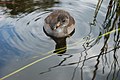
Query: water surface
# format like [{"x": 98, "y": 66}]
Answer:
[{"x": 88, "y": 56}]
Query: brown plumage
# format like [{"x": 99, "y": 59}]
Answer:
[{"x": 59, "y": 24}]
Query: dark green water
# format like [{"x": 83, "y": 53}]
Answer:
[{"x": 89, "y": 56}]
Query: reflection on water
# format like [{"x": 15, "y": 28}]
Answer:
[
  {"x": 61, "y": 45},
  {"x": 110, "y": 25},
  {"x": 90, "y": 54},
  {"x": 15, "y": 7},
  {"x": 61, "y": 62}
]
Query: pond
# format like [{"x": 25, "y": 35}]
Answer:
[{"x": 91, "y": 53}]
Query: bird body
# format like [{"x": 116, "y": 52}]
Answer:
[{"x": 59, "y": 24}]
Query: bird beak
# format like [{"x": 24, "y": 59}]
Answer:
[
  {"x": 54, "y": 27},
  {"x": 58, "y": 24}
]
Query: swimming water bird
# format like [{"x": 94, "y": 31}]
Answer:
[{"x": 59, "y": 24}]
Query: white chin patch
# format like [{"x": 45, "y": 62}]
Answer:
[{"x": 59, "y": 30}]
